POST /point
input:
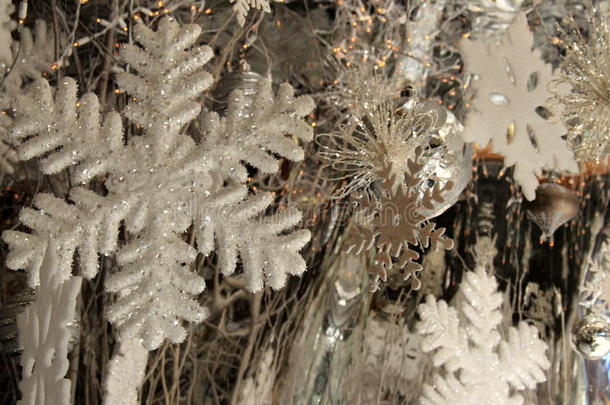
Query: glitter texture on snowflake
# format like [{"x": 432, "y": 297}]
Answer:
[
  {"x": 161, "y": 183},
  {"x": 505, "y": 106}
]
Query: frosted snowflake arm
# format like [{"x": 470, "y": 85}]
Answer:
[
  {"x": 167, "y": 76},
  {"x": 257, "y": 125},
  {"x": 232, "y": 223},
  {"x": 37, "y": 112},
  {"x": 274, "y": 257},
  {"x": 481, "y": 306},
  {"x": 89, "y": 226},
  {"x": 523, "y": 357},
  {"x": 26, "y": 251},
  {"x": 154, "y": 283},
  {"x": 64, "y": 130},
  {"x": 447, "y": 389},
  {"x": 439, "y": 325}
]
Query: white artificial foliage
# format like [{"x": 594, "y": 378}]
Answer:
[
  {"x": 161, "y": 183},
  {"x": 242, "y": 7},
  {"x": 44, "y": 335},
  {"x": 503, "y": 100},
  {"x": 474, "y": 363},
  {"x": 125, "y": 372}
]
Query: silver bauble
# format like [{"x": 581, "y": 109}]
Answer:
[
  {"x": 591, "y": 337},
  {"x": 243, "y": 79},
  {"x": 443, "y": 161}
]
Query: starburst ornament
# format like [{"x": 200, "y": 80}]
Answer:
[
  {"x": 582, "y": 92},
  {"x": 510, "y": 87}
]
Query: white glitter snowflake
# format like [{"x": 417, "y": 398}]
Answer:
[
  {"x": 160, "y": 184},
  {"x": 474, "y": 364}
]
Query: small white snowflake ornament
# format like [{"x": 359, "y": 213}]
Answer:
[
  {"x": 474, "y": 363},
  {"x": 511, "y": 85}
]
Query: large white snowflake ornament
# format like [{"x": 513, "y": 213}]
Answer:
[
  {"x": 160, "y": 183},
  {"x": 511, "y": 85},
  {"x": 474, "y": 364}
]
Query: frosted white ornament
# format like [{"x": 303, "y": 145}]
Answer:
[
  {"x": 474, "y": 363},
  {"x": 161, "y": 183}
]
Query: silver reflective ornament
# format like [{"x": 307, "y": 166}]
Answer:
[
  {"x": 443, "y": 162},
  {"x": 591, "y": 337},
  {"x": 243, "y": 79}
]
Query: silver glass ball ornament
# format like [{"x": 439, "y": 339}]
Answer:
[
  {"x": 591, "y": 337},
  {"x": 443, "y": 161}
]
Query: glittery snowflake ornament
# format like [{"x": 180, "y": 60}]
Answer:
[
  {"x": 161, "y": 183},
  {"x": 474, "y": 363},
  {"x": 511, "y": 84}
]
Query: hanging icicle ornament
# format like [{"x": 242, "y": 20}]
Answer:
[
  {"x": 554, "y": 206},
  {"x": 591, "y": 337}
]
